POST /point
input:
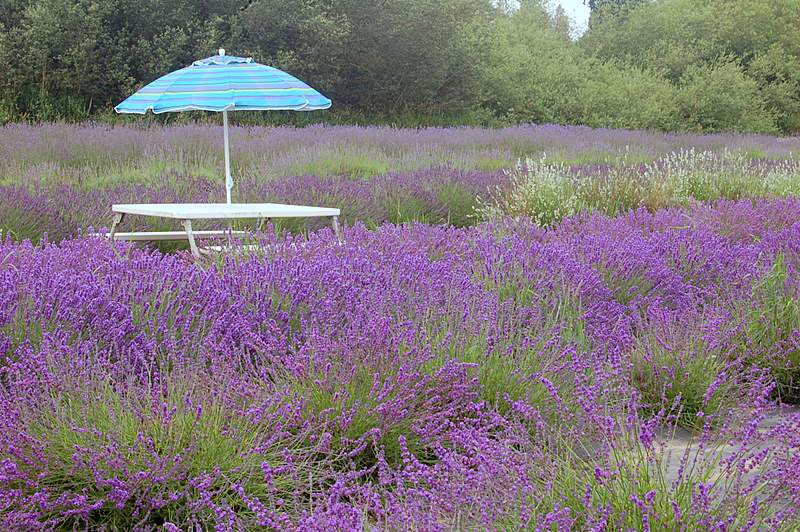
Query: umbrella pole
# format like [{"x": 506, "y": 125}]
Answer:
[{"x": 228, "y": 180}]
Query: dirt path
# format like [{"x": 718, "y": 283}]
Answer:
[{"x": 682, "y": 444}]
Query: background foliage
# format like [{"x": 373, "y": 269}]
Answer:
[{"x": 692, "y": 65}]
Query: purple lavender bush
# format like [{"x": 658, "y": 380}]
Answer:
[{"x": 499, "y": 376}]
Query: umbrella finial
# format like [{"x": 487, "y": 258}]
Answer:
[{"x": 222, "y": 51}]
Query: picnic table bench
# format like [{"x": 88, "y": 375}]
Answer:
[{"x": 187, "y": 212}]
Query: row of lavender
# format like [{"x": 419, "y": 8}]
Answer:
[
  {"x": 415, "y": 377},
  {"x": 438, "y": 196},
  {"x": 60, "y": 179},
  {"x": 81, "y": 154},
  {"x": 542, "y": 190}
]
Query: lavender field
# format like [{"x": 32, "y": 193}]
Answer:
[
  {"x": 62, "y": 179},
  {"x": 515, "y": 330}
]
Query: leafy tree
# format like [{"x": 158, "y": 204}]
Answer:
[
  {"x": 613, "y": 5},
  {"x": 67, "y": 58},
  {"x": 719, "y": 97},
  {"x": 536, "y": 73},
  {"x": 676, "y": 37},
  {"x": 610, "y": 9},
  {"x": 669, "y": 64},
  {"x": 777, "y": 73},
  {"x": 306, "y": 38},
  {"x": 408, "y": 54}
]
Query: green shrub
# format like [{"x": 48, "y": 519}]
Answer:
[
  {"x": 719, "y": 97},
  {"x": 621, "y": 96},
  {"x": 777, "y": 73}
]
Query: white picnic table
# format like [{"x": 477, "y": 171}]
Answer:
[{"x": 187, "y": 212}]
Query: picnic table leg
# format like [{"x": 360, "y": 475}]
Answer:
[
  {"x": 187, "y": 224},
  {"x": 336, "y": 230},
  {"x": 118, "y": 217}
]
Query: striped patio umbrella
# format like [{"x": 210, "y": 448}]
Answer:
[{"x": 225, "y": 83}]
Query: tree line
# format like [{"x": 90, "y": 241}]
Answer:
[{"x": 690, "y": 65}]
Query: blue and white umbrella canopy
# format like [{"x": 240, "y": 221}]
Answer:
[{"x": 225, "y": 83}]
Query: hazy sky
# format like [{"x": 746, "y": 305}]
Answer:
[{"x": 577, "y": 12}]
